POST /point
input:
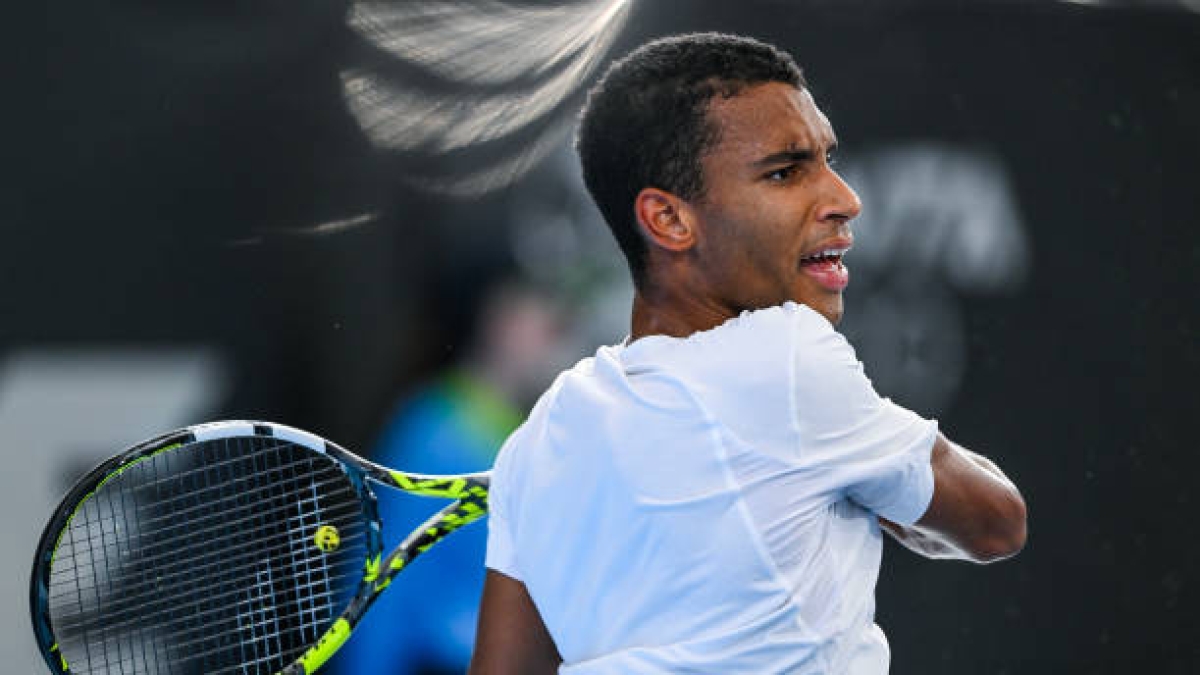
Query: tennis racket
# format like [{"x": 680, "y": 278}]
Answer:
[{"x": 231, "y": 547}]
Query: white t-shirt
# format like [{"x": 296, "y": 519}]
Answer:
[{"x": 707, "y": 504}]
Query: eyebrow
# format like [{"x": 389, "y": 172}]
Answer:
[{"x": 792, "y": 156}]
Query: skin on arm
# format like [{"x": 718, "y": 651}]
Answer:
[
  {"x": 511, "y": 638},
  {"x": 976, "y": 513}
]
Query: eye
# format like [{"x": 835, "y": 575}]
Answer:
[{"x": 781, "y": 174}]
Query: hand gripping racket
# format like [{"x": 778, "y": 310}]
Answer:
[{"x": 231, "y": 547}]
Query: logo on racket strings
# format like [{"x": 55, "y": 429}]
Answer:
[{"x": 327, "y": 538}]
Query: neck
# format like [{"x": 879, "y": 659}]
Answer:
[{"x": 666, "y": 311}]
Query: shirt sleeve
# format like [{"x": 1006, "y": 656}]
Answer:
[
  {"x": 501, "y": 551},
  {"x": 857, "y": 444}
]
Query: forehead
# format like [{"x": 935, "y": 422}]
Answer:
[{"x": 767, "y": 118}]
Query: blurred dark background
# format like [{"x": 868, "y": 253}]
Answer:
[{"x": 187, "y": 187}]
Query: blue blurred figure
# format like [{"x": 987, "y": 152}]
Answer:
[{"x": 425, "y": 623}]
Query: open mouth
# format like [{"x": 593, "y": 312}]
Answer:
[
  {"x": 830, "y": 255},
  {"x": 826, "y": 268}
]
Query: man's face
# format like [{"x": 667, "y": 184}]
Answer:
[{"x": 772, "y": 205}]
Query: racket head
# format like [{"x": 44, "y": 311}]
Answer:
[{"x": 225, "y": 547}]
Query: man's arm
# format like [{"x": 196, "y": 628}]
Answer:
[
  {"x": 511, "y": 639},
  {"x": 976, "y": 512}
]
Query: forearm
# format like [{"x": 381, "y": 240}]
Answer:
[{"x": 976, "y": 512}]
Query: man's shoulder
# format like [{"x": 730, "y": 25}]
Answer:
[{"x": 544, "y": 407}]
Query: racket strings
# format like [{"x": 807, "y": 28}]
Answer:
[
  {"x": 262, "y": 633},
  {"x": 205, "y": 615},
  {"x": 151, "y": 494},
  {"x": 221, "y": 572},
  {"x": 432, "y": 523},
  {"x": 121, "y": 613},
  {"x": 213, "y": 526},
  {"x": 210, "y": 526}
]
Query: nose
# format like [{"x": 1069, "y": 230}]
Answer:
[{"x": 841, "y": 203}]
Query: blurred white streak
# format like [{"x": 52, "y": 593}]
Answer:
[
  {"x": 498, "y": 175},
  {"x": 486, "y": 42},
  {"x": 319, "y": 230},
  {"x": 339, "y": 225},
  {"x": 343, "y": 223},
  {"x": 497, "y": 70},
  {"x": 399, "y": 118}
]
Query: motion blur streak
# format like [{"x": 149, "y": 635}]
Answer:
[{"x": 486, "y": 73}]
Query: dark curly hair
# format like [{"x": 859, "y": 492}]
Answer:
[{"x": 645, "y": 122}]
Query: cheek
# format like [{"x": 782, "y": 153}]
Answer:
[
  {"x": 753, "y": 232},
  {"x": 778, "y": 238}
]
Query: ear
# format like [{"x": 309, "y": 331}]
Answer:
[{"x": 665, "y": 219}]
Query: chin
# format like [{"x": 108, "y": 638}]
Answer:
[
  {"x": 830, "y": 308},
  {"x": 834, "y": 314}
]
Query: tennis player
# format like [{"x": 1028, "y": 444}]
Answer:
[{"x": 709, "y": 496}]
